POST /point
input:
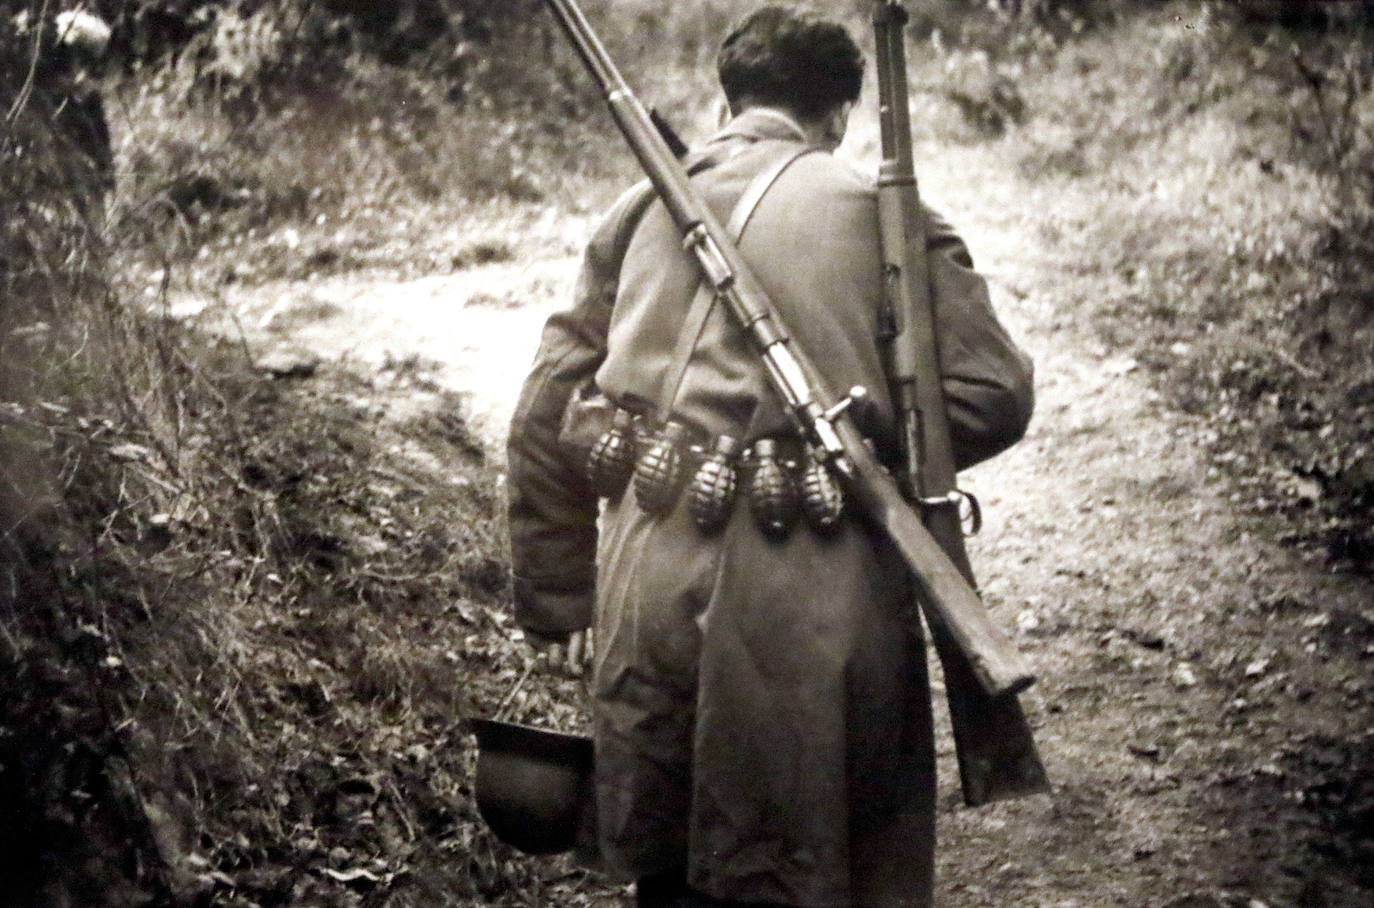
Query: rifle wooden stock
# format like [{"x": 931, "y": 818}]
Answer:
[
  {"x": 950, "y": 601},
  {"x": 951, "y": 604}
]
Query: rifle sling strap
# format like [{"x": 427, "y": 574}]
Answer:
[{"x": 704, "y": 300}]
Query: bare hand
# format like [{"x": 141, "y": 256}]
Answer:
[{"x": 574, "y": 657}]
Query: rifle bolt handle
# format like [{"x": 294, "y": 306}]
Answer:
[{"x": 857, "y": 395}]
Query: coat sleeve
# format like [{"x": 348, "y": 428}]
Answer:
[
  {"x": 552, "y": 509},
  {"x": 988, "y": 379}
]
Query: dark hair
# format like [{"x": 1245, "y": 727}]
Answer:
[{"x": 792, "y": 59}]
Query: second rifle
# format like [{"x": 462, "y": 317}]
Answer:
[{"x": 997, "y": 754}]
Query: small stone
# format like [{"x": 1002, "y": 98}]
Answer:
[
  {"x": 1120, "y": 365},
  {"x": 1147, "y": 639},
  {"x": 1144, "y": 751},
  {"x": 289, "y": 364}
]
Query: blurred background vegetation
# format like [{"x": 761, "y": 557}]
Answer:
[{"x": 213, "y": 583}]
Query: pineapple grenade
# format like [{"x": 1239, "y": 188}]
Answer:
[
  {"x": 711, "y": 495},
  {"x": 658, "y": 471},
  {"x": 822, "y": 501},
  {"x": 772, "y": 498},
  {"x": 612, "y": 459}
]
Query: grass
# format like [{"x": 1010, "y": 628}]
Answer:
[
  {"x": 283, "y": 633},
  {"x": 1209, "y": 219},
  {"x": 348, "y": 180}
]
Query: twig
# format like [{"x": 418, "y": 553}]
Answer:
[
  {"x": 22, "y": 98},
  {"x": 395, "y": 578},
  {"x": 1302, "y": 368},
  {"x": 300, "y": 20},
  {"x": 515, "y": 689},
  {"x": 400, "y": 806}
]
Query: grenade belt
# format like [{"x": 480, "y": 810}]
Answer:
[{"x": 779, "y": 478}]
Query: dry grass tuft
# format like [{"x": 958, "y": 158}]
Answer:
[{"x": 240, "y": 622}]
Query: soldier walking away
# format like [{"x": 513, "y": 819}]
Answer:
[{"x": 761, "y": 709}]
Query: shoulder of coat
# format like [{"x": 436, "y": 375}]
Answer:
[
  {"x": 823, "y": 170},
  {"x": 624, "y": 212},
  {"x": 630, "y": 199}
]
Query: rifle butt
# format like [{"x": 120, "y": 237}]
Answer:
[{"x": 944, "y": 590}]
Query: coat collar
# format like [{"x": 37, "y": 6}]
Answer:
[{"x": 758, "y": 123}]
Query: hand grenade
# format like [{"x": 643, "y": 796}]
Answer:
[
  {"x": 612, "y": 458},
  {"x": 658, "y": 471},
  {"x": 711, "y": 494},
  {"x": 822, "y": 500},
  {"x": 772, "y": 497}
]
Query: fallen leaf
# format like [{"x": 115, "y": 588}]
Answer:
[
  {"x": 352, "y": 875},
  {"x": 129, "y": 452}
]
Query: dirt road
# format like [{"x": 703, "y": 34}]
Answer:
[
  {"x": 1203, "y": 703},
  {"x": 473, "y": 332}
]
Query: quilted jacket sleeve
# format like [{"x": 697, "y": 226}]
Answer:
[
  {"x": 552, "y": 509},
  {"x": 988, "y": 380}
]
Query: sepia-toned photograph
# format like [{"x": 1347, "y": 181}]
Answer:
[{"x": 687, "y": 453}]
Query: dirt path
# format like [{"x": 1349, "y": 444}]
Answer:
[
  {"x": 1187, "y": 679},
  {"x": 473, "y": 332},
  {"x": 1191, "y": 666}
]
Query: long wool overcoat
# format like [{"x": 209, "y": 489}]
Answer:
[{"x": 762, "y": 712}]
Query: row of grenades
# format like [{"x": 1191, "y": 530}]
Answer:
[{"x": 656, "y": 467}]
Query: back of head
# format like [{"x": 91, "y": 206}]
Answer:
[{"x": 785, "y": 57}]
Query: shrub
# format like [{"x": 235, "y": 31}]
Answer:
[{"x": 1332, "y": 125}]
